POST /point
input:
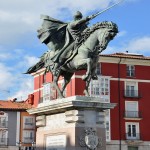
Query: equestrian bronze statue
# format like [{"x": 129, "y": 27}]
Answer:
[{"x": 73, "y": 46}]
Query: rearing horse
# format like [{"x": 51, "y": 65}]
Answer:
[{"x": 96, "y": 40}]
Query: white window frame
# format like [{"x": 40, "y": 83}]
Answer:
[
  {"x": 5, "y": 116},
  {"x": 131, "y": 136},
  {"x": 3, "y": 137},
  {"x": 132, "y": 112},
  {"x": 46, "y": 91},
  {"x": 97, "y": 87},
  {"x": 28, "y": 138},
  {"x": 29, "y": 125},
  {"x": 131, "y": 69},
  {"x": 129, "y": 91}
]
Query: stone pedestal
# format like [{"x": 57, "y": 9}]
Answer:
[{"x": 73, "y": 123}]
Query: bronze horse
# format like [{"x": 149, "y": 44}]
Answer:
[{"x": 95, "y": 41}]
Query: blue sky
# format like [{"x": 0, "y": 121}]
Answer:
[{"x": 20, "y": 47}]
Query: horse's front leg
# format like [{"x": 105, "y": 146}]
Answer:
[{"x": 88, "y": 71}]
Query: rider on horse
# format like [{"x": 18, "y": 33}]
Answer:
[{"x": 74, "y": 28}]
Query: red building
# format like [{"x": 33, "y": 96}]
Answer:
[{"x": 124, "y": 79}]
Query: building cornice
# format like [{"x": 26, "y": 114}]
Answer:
[{"x": 124, "y": 60}]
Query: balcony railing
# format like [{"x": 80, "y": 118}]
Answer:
[
  {"x": 133, "y": 136},
  {"x": 4, "y": 124},
  {"x": 28, "y": 125},
  {"x": 132, "y": 94},
  {"x": 3, "y": 142},
  {"x": 132, "y": 114},
  {"x": 28, "y": 140}
]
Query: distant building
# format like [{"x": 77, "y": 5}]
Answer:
[
  {"x": 123, "y": 78},
  {"x": 16, "y": 125}
]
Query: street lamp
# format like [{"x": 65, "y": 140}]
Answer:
[
  {"x": 33, "y": 145},
  {"x": 19, "y": 145}
]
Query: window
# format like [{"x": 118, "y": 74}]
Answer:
[
  {"x": 3, "y": 137},
  {"x": 28, "y": 136},
  {"x": 131, "y": 89},
  {"x": 46, "y": 92},
  {"x": 49, "y": 92},
  {"x": 130, "y": 70},
  {"x": 132, "y": 131},
  {"x": 3, "y": 120},
  {"x": 29, "y": 122},
  {"x": 100, "y": 88},
  {"x": 98, "y": 69},
  {"x": 131, "y": 109}
]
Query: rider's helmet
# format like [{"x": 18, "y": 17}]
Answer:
[{"x": 78, "y": 15}]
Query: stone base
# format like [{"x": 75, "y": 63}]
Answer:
[{"x": 74, "y": 123}]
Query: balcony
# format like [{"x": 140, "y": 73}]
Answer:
[
  {"x": 133, "y": 136},
  {"x": 28, "y": 125},
  {"x": 3, "y": 142},
  {"x": 132, "y": 115},
  {"x": 28, "y": 140},
  {"x": 4, "y": 124},
  {"x": 132, "y": 94}
]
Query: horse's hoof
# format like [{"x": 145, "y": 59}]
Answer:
[
  {"x": 86, "y": 93},
  {"x": 84, "y": 77},
  {"x": 95, "y": 77}
]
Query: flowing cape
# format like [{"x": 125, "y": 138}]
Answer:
[{"x": 52, "y": 29}]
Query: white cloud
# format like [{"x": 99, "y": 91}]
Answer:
[
  {"x": 30, "y": 60},
  {"x": 138, "y": 45},
  {"x": 14, "y": 85},
  {"x": 5, "y": 56},
  {"x": 13, "y": 80},
  {"x": 25, "y": 88},
  {"x": 121, "y": 33},
  {"x": 20, "y": 17},
  {"x": 6, "y": 78},
  {"x": 24, "y": 62}
]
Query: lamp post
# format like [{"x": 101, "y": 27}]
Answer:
[
  {"x": 33, "y": 145},
  {"x": 19, "y": 145}
]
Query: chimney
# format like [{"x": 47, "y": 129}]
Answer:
[
  {"x": 30, "y": 99},
  {"x": 14, "y": 100}
]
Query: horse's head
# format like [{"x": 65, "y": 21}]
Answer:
[{"x": 107, "y": 31}]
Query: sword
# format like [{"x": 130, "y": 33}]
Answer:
[{"x": 98, "y": 13}]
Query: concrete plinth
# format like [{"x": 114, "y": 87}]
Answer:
[{"x": 73, "y": 123}]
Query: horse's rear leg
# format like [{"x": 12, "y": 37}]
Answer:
[
  {"x": 67, "y": 78},
  {"x": 87, "y": 85},
  {"x": 88, "y": 72}
]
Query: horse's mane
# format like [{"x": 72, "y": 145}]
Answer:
[{"x": 105, "y": 24}]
